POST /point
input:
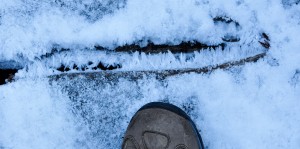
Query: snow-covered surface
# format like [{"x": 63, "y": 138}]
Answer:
[{"x": 253, "y": 106}]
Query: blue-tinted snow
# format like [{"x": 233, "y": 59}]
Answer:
[{"x": 254, "y": 106}]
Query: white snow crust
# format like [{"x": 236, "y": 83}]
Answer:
[{"x": 252, "y": 106}]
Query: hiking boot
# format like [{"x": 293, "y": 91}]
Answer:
[{"x": 161, "y": 126}]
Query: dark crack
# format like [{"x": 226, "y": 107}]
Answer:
[
  {"x": 89, "y": 66},
  {"x": 7, "y": 75},
  {"x": 183, "y": 47}
]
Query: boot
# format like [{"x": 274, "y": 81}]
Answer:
[{"x": 161, "y": 126}]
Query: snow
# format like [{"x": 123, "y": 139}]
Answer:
[
  {"x": 251, "y": 106},
  {"x": 34, "y": 117}
]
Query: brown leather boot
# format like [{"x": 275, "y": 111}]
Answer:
[{"x": 161, "y": 126}]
